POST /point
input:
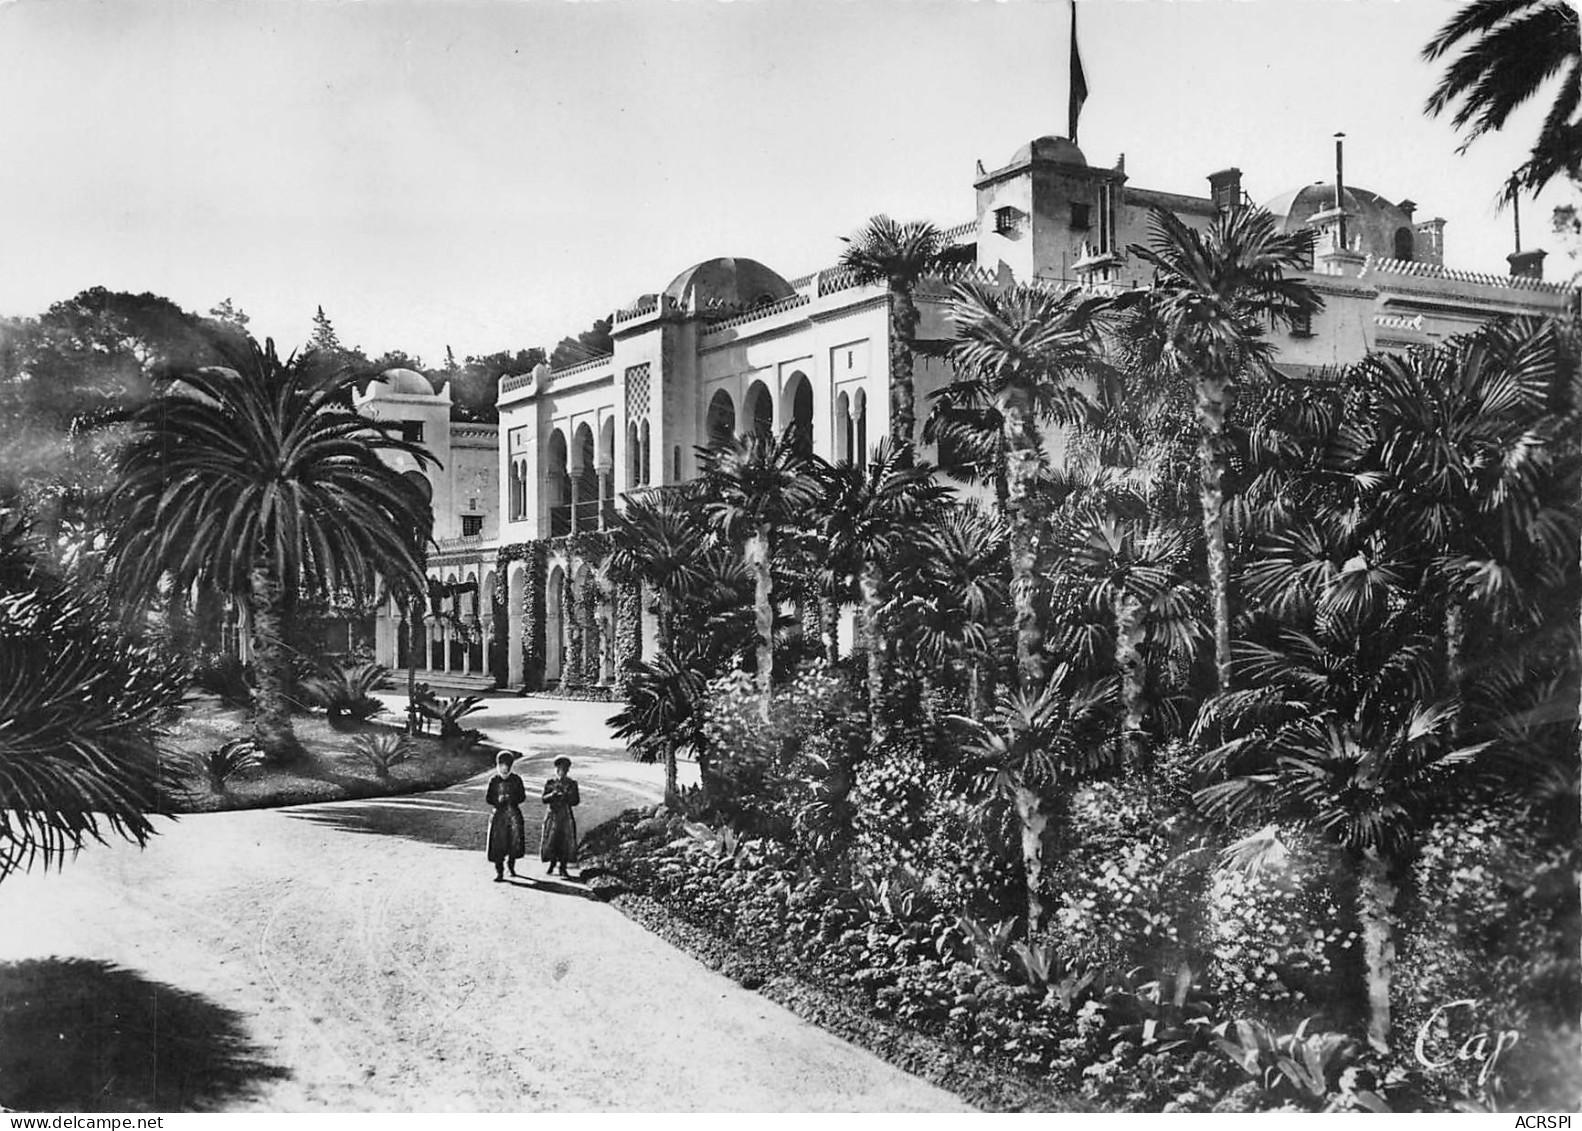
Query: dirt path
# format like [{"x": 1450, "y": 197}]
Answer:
[{"x": 356, "y": 957}]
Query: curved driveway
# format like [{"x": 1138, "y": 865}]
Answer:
[{"x": 355, "y": 956}]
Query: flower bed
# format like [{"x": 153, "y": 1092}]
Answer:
[{"x": 884, "y": 967}]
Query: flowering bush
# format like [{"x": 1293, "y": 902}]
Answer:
[
  {"x": 1123, "y": 899},
  {"x": 787, "y": 777},
  {"x": 1276, "y": 934},
  {"x": 1493, "y": 923}
]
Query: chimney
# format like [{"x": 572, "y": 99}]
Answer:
[
  {"x": 1527, "y": 264},
  {"x": 1340, "y": 190},
  {"x": 1225, "y": 188},
  {"x": 1431, "y": 241}
]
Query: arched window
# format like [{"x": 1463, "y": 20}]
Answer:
[
  {"x": 842, "y": 429},
  {"x": 797, "y": 411},
  {"x": 859, "y": 420},
  {"x": 634, "y": 455},
  {"x": 721, "y": 423},
  {"x": 758, "y": 409},
  {"x": 557, "y": 484},
  {"x": 1405, "y": 247},
  {"x": 645, "y": 459}
]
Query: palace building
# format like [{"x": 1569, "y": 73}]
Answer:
[{"x": 730, "y": 345}]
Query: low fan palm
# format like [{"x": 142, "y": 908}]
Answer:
[
  {"x": 754, "y": 487},
  {"x": 1025, "y": 357},
  {"x": 1034, "y": 750},
  {"x": 870, "y": 514},
  {"x": 254, "y": 480},
  {"x": 1214, "y": 293}
]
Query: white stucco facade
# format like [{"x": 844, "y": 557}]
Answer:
[{"x": 730, "y": 344}]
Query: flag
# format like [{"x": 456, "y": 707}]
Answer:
[{"x": 1079, "y": 81}]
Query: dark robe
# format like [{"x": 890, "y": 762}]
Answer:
[
  {"x": 559, "y": 842},
  {"x": 507, "y": 833}
]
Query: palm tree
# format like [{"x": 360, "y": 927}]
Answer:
[
  {"x": 1022, "y": 356},
  {"x": 1033, "y": 750},
  {"x": 755, "y": 486},
  {"x": 251, "y": 479},
  {"x": 1214, "y": 293},
  {"x": 1131, "y": 568},
  {"x": 81, "y": 707},
  {"x": 1345, "y": 736},
  {"x": 659, "y": 542},
  {"x": 1510, "y": 50},
  {"x": 869, "y": 515},
  {"x": 952, "y": 593},
  {"x": 899, "y": 255}
]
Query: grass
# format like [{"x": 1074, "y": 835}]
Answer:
[{"x": 332, "y": 771}]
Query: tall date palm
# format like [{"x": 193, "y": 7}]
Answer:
[
  {"x": 1510, "y": 51},
  {"x": 253, "y": 479}
]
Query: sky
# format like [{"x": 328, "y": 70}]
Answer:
[{"x": 496, "y": 174}]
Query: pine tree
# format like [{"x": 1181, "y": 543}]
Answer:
[
  {"x": 228, "y": 312},
  {"x": 324, "y": 336}
]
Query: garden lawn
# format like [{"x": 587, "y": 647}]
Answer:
[{"x": 332, "y": 770}]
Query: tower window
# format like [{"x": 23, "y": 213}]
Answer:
[
  {"x": 1302, "y": 325},
  {"x": 412, "y": 431},
  {"x": 471, "y": 524},
  {"x": 1007, "y": 221},
  {"x": 1081, "y": 215},
  {"x": 1404, "y": 244}
]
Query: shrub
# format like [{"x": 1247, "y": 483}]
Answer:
[
  {"x": 893, "y": 801},
  {"x": 219, "y": 766},
  {"x": 225, "y": 676},
  {"x": 1493, "y": 920},
  {"x": 345, "y": 690},
  {"x": 382, "y": 751},
  {"x": 1277, "y": 935},
  {"x": 1126, "y": 895},
  {"x": 787, "y": 778}
]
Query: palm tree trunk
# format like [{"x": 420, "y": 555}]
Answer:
[
  {"x": 1022, "y": 466},
  {"x": 665, "y": 622},
  {"x": 1376, "y": 893},
  {"x": 1129, "y": 662},
  {"x": 903, "y": 398},
  {"x": 873, "y": 638},
  {"x": 1212, "y": 396},
  {"x": 1455, "y": 642},
  {"x": 830, "y": 611},
  {"x": 272, "y": 713},
  {"x": 1034, "y": 824},
  {"x": 757, "y": 553},
  {"x": 672, "y": 781}
]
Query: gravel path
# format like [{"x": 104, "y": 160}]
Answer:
[{"x": 356, "y": 957}]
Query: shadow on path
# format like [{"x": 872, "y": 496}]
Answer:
[
  {"x": 79, "y": 1035},
  {"x": 551, "y": 885},
  {"x": 451, "y": 818}
]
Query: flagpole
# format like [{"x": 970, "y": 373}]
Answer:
[{"x": 1078, "y": 91}]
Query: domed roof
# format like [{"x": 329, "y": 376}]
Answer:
[
  {"x": 404, "y": 382},
  {"x": 727, "y": 283},
  {"x": 1371, "y": 221},
  {"x": 1050, "y": 148}
]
